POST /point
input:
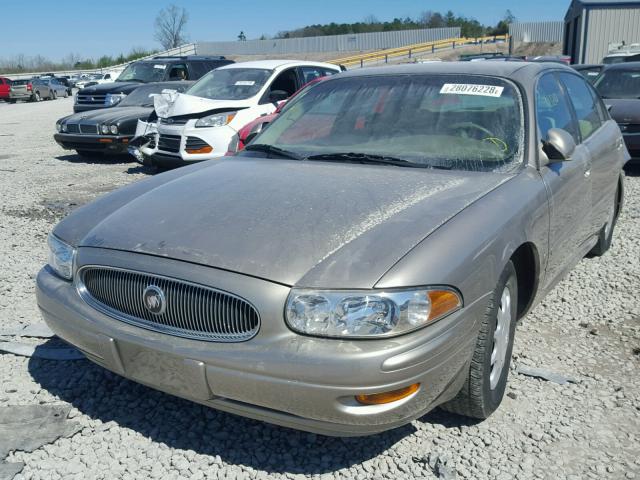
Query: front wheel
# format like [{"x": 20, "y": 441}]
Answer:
[
  {"x": 486, "y": 380},
  {"x": 54, "y": 95}
]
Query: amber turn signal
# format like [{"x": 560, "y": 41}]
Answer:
[
  {"x": 442, "y": 303},
  {"x": 388, "y": 397},
  {"x": 207, "y": 149}
]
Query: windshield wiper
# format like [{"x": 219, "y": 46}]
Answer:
[
  {"x": 366, "y": 158},
  {"x": 132, "y": 80},
  {"x": 263, "y": 147}
]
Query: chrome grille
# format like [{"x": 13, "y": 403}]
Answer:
[
  {"x": 87, "y": 99},
  {"x": 191, "y": 310},
  {"x": 174, "y": 121},
  {"x": 89, "y": 129}
]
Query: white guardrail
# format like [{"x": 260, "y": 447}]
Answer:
[{"x": 186, "y": 49}]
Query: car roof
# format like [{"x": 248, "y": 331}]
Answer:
[
  {"x": 623, "y": 66},
  {"x": 273, "y": 64},
  {"x": 496, "y": 69}
]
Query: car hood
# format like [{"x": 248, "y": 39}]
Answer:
[
  {"x": 624, "y": 110},
  {"x": 174, "y": 104},
  {"x": 109, "y": 115},
  {"x": 311, "y": 224},
  {"x": 111, "y": 87}
]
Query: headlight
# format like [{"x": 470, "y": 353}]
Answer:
[
  {"x": 104, "y": 129},
  {"x": 58, "y": 127},
  {"x": 113, "y": 129},
  {"x": 374, "y": 313},
  {"x": 61, "y": 257},
  {"x": 112, "y": 99},
  {"x": 64, "y": 127},
  {"x": 217, "y": 120}
]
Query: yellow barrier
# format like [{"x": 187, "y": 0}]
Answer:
[{"x": 409, "y": 50}]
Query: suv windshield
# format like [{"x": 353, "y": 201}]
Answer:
[
  {"x": 140, "y": 96},
  {"x": 143, "y": 72},
  {"x": 231, "y": 83},
  {"x": 459, "y": 122},
  {"x": 619, "y": 84}
]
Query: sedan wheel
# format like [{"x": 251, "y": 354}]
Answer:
[
  {"x": 486, "y": 379},
  {"x": 37, "y": 97},
  {"x": 54, "y": 95}
]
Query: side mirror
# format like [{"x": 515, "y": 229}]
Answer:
[
  {"x": 276, "y": 96},
  {"x": 559, "y": 145}
]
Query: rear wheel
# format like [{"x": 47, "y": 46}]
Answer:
[
  {"x": 605, "y": 237},
  {"x": 486, "y": 380},
  {"x": 36, "y": 97},
  {"x": 54, "y": 95}
]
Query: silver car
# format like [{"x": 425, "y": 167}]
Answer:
[{"x": 365, "y": 260}]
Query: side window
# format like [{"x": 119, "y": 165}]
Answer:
[
  {"x": 584, "y": 104},
  {"x": 178, "y": 71},
  {"x": 552, "y": 109},
  {"x": 197, "y": 69},
  {"x": 311, "y": 73},
  {"x": 286, "y": 81}
]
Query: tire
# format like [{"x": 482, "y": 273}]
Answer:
[
  {"x": 36, "y": 97},
  {"x": 13, "y": 100},
  {"x": 605, "y": 237},
  {"x": 88, "y": 153},
  {"x": 486, "y": 381},
  {"x": 66, "y": 94},
  {"x": 54, "y": 95}
]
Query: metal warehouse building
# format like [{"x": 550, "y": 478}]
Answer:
[{"x": 591, "y": 25}]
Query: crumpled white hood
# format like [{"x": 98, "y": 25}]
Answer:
[{"x": 173, "y": 104}]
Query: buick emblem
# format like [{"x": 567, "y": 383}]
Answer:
[{"x": 154, "y": 300}]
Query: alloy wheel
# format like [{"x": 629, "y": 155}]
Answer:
[{"x": 500, "y": 338}]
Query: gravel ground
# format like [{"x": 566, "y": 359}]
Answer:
[{"x": 586, "y": 329}]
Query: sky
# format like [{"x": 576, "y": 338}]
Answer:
[{"x": 92, "y": 28}]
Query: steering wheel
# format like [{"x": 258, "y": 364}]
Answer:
[{"x": 472, "y": 126}]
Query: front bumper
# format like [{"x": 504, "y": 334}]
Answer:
[
  {"x": 278, "y": 376},
  {"x": 217, "y": 138},
  {"x": 113, "y": 144}
]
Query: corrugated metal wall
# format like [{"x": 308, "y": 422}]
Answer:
[
  {"x": 608, "y": 25},
  {"x": 534, "y": 32},
  {"x": 334, "y": 43}
]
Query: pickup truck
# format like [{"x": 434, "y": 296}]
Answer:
[{"x": 157, "y": 69}]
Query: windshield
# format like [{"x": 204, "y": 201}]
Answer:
[
  {"x": 140, "y": 96},
  {"x": 619, "y": 84},
  {"x": 459, "y": 122},
  {"x": 231, "y": 83},
  {"x": 143, "y": 72}
]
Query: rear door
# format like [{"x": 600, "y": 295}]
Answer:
[
  {"x": 568, "y": 182},
  {"x": 601, "y": 136}
]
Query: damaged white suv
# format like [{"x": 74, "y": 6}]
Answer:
[{"x": 201, "y": 123}]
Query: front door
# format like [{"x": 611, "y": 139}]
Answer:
[{"x": 568, "y": 182}]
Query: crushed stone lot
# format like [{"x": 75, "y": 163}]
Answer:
[{"x": 582, "y": 422}]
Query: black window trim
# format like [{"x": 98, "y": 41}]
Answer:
[{"x": 596, "y": 99}]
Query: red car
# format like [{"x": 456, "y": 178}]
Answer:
[
  {"x": 5, "y": 88},
  {"x": 251, "y": 129}
]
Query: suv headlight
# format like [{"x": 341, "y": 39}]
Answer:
[
  {"x": 366, "y": 314},
  {"x": 112, "y": 99},
  {"x": 217, "y": 120},
  {"x": 61, "y": 257}
]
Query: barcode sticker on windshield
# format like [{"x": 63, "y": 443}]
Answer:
[
  {"x": 245, "y": 83},
  {"x": 161, "y": 67},
  {"x": 471, "y": 89}
]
